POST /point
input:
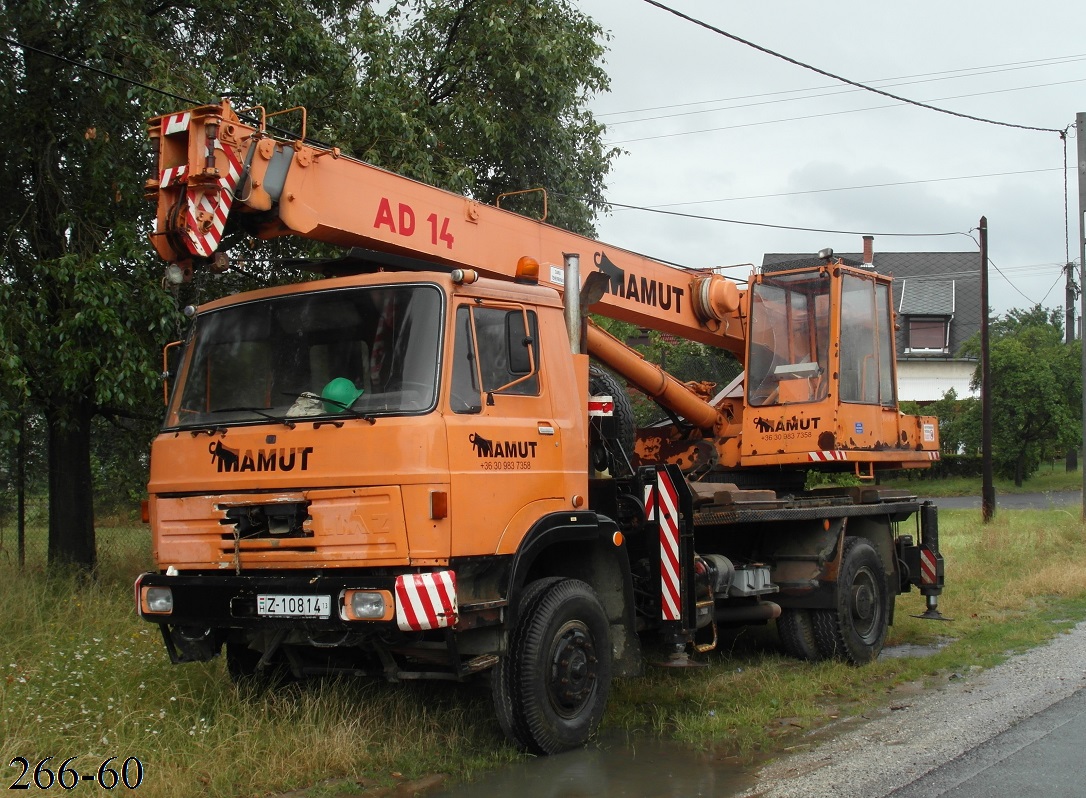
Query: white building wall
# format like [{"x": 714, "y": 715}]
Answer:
[{"x": 928, "y": 380}]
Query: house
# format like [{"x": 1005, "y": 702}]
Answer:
[{"x": 937, "y": 300}]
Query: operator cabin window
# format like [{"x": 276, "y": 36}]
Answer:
[
  {"x": 494, "y": 353},
  {"x": 867, "y": 343},
  {"x": 927, "y": 309}
]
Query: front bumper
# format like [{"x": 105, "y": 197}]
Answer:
[{"x": 415, "y": 602}]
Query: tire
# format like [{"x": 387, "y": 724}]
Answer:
[
  {"x": 503, "y": 676},
  {"x": 796, "y": 630},
  {"x": 553, "y": 685},
  {"x": 855, "y": 630},
  {"x": 601, "y": 383}
]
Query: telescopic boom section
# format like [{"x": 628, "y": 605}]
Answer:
[{"x": 218, "y": 173}]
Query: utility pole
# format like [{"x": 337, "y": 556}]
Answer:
[
  {"x": 987, "y": 486},
  {"x": 1080, "y": 124},
  {"x": 1071, "y": 464}
]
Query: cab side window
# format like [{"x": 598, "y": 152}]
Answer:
[{"x": 494, "y": 352}]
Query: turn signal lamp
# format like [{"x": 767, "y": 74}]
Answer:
[
  {"x": 527, "y": 270},
  {"x": 366, "y": 605}
]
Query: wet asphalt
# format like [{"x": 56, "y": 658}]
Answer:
[
  {"x": 1039, "y": 756},
  {"x": 1013, "y": 501}
]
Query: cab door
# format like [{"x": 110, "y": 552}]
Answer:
[{"x": 505, "y": 447}]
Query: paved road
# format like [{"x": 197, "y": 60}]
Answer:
[
  {"x": 1014, "y": 501},
  {"x": 1014, "y": 730},
  {"x": 1040, "y": 756}
]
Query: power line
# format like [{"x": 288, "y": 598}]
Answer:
[
  {"x": 810, "y": 96},
  {"x": 975, "y": 275},
  {"x": 856, "y": 188},
  {"x": 163, "y": 92},
  {"x": 833, "y": 76},
  {"x": 96, "y": 70},
  {"x": 981, "y": 70},
  {"x": 1049, "y": 291},
  {"x": 858, "y": 110},
  {"x": 782, "y": 226}
]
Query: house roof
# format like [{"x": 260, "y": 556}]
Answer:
[
  {"x": 925, "y": 284},
  {"x": 927, "y": 297}
]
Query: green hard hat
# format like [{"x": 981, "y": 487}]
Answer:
[{"x": 340, "y": 394}]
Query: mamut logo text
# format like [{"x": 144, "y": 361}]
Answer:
[
  {"x": 786, "y": 425},
  {"x": 639, "y": 289},
  {"x": 522, "y": 450},
  {"x": 276, "y": 459}
]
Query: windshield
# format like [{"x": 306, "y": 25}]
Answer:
[
  {"x": 789, "y": 339},
  {"x": 347, "y": 352}
]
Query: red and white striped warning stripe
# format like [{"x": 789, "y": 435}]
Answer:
[
  {"x": 214, "y": 202},
  {"x": 668, "y": 518},
  {"x": 426, "y": 601},
  {"x": 933, "y": 455},
  {"x": 175, "y": 174},
  {"x": 178, "y": 123},
  {"x": 601, "y": 405},
  {"x": 929, "y": 574},
  {"x": 827, "y": 457}
]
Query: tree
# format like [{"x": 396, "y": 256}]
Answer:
[
  {"x": 477, "y": 95},
  {"x": 1036, "y": 391},
  {"x": 959, "y": 422}
]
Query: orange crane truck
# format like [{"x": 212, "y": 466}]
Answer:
[{"x": 411, "y": 467}]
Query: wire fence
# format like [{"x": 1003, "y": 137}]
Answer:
[{"x": 116, "y": 540}]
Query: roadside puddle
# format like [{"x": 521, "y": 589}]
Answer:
[
  {"x": 621, "y": 766},
  {"x": 915, "y": 650},
  {"x": 616, "y": 767}
]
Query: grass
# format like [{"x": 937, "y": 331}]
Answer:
[
  {"x": 1050, "y": 478},
  {"x": 81, "y": 676}
]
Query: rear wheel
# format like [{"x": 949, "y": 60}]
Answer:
[
  {"x": 855, "y": 629},
  {"x": 551, "y": 690},
  {"x": 796, "y": 630}
]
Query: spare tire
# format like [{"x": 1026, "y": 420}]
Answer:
[{"x": 603, "y": 383}]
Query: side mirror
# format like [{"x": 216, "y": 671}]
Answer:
[{"x": 170, "y": 358}]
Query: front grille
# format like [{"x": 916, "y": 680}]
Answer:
[{"x": 266, "y": 521}]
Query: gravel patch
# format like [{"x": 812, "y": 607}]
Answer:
[{"x": 871, "y": 756}]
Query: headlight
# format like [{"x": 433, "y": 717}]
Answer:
[
  {"x": 156, "y": 600},
  {"x": 366, "y": 605}
]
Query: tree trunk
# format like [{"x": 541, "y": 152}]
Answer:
[
  {"x": 71, "y": 499},
  {"x": 20, "y": 487},
  {"x": 1019, "y": 470}
]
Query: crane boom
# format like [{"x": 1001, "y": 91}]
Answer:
[{"x": 217, "y": 172}]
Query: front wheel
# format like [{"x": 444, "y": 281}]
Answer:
[
  {"x": 855, "y": 629},
  {"x": 551, "y": 690}
]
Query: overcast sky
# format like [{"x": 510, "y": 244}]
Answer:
[{"x": 715, "y": 128}]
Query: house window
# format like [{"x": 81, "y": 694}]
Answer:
[{"x": 931, "y": 336}]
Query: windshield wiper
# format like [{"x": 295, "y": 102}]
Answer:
[
  {"x": 260, "y": 412},
  {"x": 209, "y": 430}
]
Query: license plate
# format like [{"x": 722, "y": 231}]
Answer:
[{"x": 273, "y": 605}]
